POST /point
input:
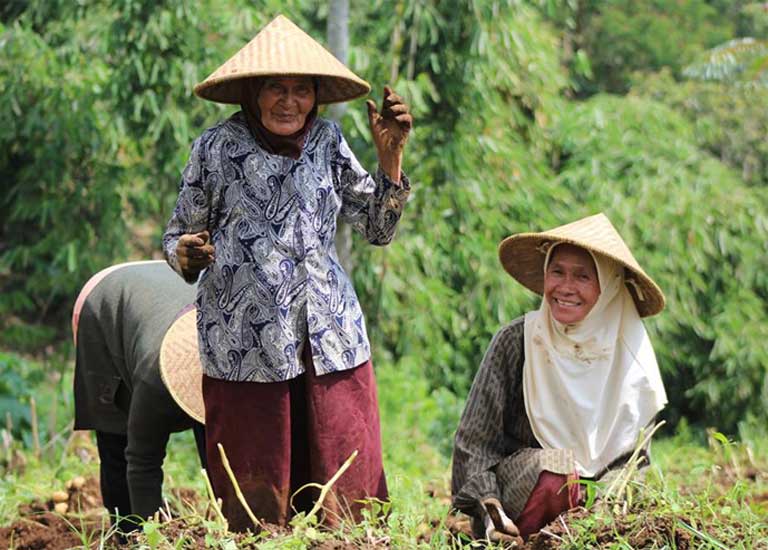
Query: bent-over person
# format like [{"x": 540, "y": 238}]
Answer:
[{"x": 119, "y": 321}]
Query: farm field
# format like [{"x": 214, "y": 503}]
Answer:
[
  {"x": 702, "y": 491},
  {"x": 526, "y": 115}
]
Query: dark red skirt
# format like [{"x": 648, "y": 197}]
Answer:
[{"x": 280, "y": 436}]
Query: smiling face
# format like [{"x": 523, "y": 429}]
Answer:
[
  {"x": 571, "y": 285},
  {"x": 284, "y": 104}
]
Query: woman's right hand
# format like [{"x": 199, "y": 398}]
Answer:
[
  {"x": 498, "y": 526},
  {"x": 194, "y": 253}
]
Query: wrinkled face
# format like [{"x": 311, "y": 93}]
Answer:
[
  {"x": 571, "y": 286},
  {"x": 285, "y": 103}
]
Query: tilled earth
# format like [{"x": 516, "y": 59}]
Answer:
[
  {"x": 80, "y": 521},
  {"x": 41, "y": 527}
]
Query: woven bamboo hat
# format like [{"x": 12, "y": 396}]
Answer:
[
  {"x": 283, "y": 49},
  {"x": 180, "y": 366},
  {"x": 523, "y": 255}
]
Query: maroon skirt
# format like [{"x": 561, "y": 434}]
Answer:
[{"x": 279, "y": 436}]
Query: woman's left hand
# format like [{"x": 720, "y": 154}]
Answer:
[{"x": 390, "y": 129}]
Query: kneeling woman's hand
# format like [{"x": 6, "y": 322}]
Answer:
[{"x": 498, "y": 526}]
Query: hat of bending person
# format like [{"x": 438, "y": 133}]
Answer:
[
  {"x": 523, "y": 256},
  {"x": 282, "y": 49},
  {"x": 180, "y": 366}
]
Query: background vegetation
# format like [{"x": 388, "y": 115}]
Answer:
[{"x": 529, "y": 114}]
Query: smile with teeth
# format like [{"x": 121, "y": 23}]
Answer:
[{"x": 566, "y": 303}]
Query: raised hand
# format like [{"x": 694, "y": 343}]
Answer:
[{"x": 390, "y": 129}]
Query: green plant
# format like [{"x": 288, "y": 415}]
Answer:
[{"x": 728, "y": 120}]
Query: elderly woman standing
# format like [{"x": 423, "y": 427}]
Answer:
[
  {"x": 288, "y": 384},
  {"x": 563, "y": 392}
]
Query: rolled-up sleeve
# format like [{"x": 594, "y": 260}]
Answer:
[{"x": 371, "y": 204}]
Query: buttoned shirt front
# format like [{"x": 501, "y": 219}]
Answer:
[{"x": 276, "y": 283}]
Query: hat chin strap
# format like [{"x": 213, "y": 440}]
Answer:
[
  {"x": 636, "y": 286},
  {"x": 544, "y": 247}
]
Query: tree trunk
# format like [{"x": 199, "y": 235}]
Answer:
[{"x": 338, "y": 43}]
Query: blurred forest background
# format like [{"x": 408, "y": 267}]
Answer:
[{"x": 529, "y": 114}]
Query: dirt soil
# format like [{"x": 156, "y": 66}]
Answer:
[
  {"x": 654, "y": 530},
  {"x": 40, "y": 527}
]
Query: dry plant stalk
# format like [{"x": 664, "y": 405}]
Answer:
[
  {"x": 5, "y": 435},
  {"x": 325, "y": 489},
  {"x": 619, "y": 485},
  {"x": 52, "y": 415},
  {"x": 35, "y": 432},
  {"x": 58, "y": 436},
  {"x": 213, "y": 499},
  {"x": 236, "y": 485},
  {"x": 751, "y": 457}
]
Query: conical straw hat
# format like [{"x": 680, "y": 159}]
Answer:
[
  {"x": 283, "y": 49},
  {"x": 180, "y": 366},
  {"x": 523, "y": 255}
]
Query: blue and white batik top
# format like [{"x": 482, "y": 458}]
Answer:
[{"x": 276, "y": 282}]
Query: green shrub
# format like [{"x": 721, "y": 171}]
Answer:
[
  {"x": 18, "y": 383},
  {"x": 729, "y": 121},
  {"x": 61, "y": 211}
]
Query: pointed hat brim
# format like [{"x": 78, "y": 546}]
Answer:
[
  {"x": 283, "y": 49},
  {"x": 180, "y": 366},
  {"x": 523, "y": 254}
]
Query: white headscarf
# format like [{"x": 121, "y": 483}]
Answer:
[{"x": 591, "y": 386}]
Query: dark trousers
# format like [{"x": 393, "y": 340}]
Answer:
[{"x": 113, "y": 474}]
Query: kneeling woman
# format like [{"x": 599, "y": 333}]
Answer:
[{"x": 563, "y": 392}]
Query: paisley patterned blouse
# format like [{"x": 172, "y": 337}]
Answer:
[{"x": 277, "y": 283}]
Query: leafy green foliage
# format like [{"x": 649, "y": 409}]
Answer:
[
  {"x": 21, "y": 381},
  {"x": 742, "y": 60},
  {"x": 61, "y": 211},
  {"x": 619, "y": 37},
  {"x": 97, "y": 116},
  {"x": 16, "y": 387},
  {"x": 730, "y": 122}
]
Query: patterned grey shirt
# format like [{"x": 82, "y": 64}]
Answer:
[{"x": 277, "y": 282}]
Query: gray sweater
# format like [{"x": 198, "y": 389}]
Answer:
[{"x": 117, "y": 383}]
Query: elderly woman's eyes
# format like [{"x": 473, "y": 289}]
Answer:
[{"x": 303, "y": 90}]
